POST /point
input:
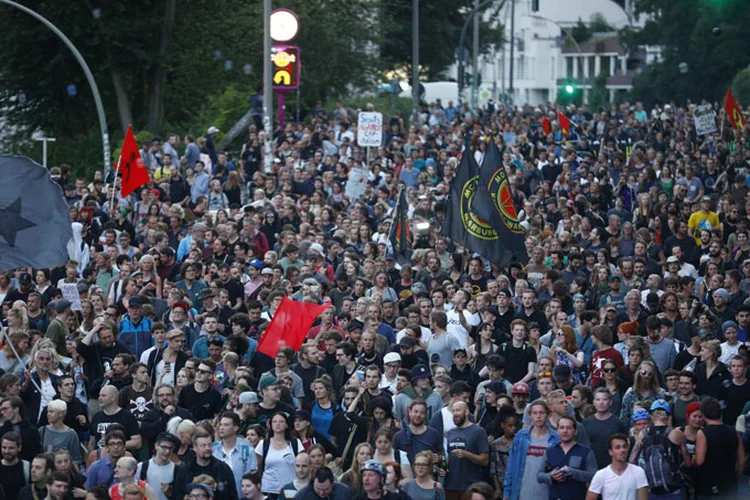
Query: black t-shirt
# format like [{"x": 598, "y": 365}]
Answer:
[
  {"x": 517, "y": 360},
  {"x": 203, "y": 405},
  {"x": 102, "y": 421},
  {"x": 137, "y": 403},
  {"x": 734, "y": 398},
  {"x": 12, "y": 479}
]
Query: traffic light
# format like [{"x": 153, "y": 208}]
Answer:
[
  {"x": 569, "y": 88},
  {"x": 534, "y": 5},
  {"x": 469, "y": 79}
]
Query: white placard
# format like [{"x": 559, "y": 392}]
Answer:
[
  {"x": 705, "y": 119},
  {"x": 370, "y": 129},
  {"x": 70, "y": 293},
  {"x": 355, "y": 186}
]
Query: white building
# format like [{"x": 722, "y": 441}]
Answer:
[{"x": 543, "y": 62}]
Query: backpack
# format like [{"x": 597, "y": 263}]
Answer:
[{"x": 658, "y": 462}]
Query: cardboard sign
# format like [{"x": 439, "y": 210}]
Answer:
[
  {"x": 70, "y": 293},
  {"x": 370, "y": 129},
  {"x": 705, "y": 119},
  {"x": 355, "y": 186}
]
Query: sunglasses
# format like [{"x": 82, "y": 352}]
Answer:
[
  {"x": 610, "y": 370},
  {"x": 646, "y": 373},
  {"x": 207, "y": 372},
  {"x": 543, "y": 374}
]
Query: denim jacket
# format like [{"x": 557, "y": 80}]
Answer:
[
  {"x": 517, "y": 460},
  {"x": 243, "y": 459}
]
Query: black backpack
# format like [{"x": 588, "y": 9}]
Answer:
[{"x": 659, "y": 462}]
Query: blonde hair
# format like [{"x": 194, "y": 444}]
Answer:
[
  {"x": 355, "y": 475},
  {"x": 58, "y": 405}
]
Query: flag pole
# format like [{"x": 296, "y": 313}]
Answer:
[
  {"x": 114, "y": 185},
  {"x": 393, "y": 218}
]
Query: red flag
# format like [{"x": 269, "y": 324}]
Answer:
[
  {"x": 289, "y": 325},
  {"x": 546, "y": 125},
  {"x": 733, "y": 110},
  {"x": 132, "y": 170},
  {"x": 564, "y": 124}
]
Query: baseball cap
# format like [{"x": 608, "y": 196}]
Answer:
[
  {"x": 420, "y": 371},
  {"x": 390, "y": 256},
  {"x": 302, "y": 414},
  {"x": 521, "y": 388},
  {"x": 24, "y": 279},
  {"x": 496, "y": 387},
  {"x": 458, "y": 350},
  {"x": 256, "y": 263},
  {"x": 180, "y": 305},
  {"x": 212, "y": 130},
  {"x": 207, "y": 293},
  {"x": 135, "y": 301},
  {"x": 706, "y": 198},
  {"x": 640, "y": 414},
  {"x": 561, "y": 371},
  {"x": 266, "y": 270},
  {"x": 660, "y": 404},
  {"x": 62, "y": 304},
  {"x": 505, "y": 292},
  {"x": 249, "y": 398},
  {"x": 206, "y": 488},
  {"x": 615, "y": 277},
  {"x": 672, "y": 258},
  {"x": 268, "y": 381},
  {"x": 165, "y": 436},
  {"x": 391, "y": 357}
]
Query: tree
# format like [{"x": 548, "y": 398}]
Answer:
[
  {"x": 440, "y": 23},
  {"x": 741, "y": 87},
  {"x": 685, "y": 30}
]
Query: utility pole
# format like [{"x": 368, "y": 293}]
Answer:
[
  {"x": 512, "y": 47},
  {"x": 267, "y": 88},
  {"x": 44, "y": 141},
  {"x": 415, "y": 62},
  {"x": 475, "y": 59}
]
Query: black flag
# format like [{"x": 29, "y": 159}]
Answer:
[
  {"x": 494, "y": 203},
  {"x": 400, "y": 235},
  {"x": 34, "y": 218},
  {"x": 461, "y": 224}
]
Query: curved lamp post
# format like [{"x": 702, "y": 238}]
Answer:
[{"x": 86, "y": 70}]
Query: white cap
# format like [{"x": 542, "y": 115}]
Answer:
[
  {"x": 392, "y": 357},
  {"x": 212, "y": 130}
]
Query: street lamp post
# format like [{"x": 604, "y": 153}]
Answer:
[
  {"x": 267, "y": 88},
  {"x": 415, "y": 62},
  {"x": 86, "y": 71},
  {"x": 461, "y": 40}
]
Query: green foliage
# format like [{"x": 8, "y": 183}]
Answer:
[
  {"x": 598, "y": 94},
  {"x": 684, "y": 28},
  {"x": 440, "y": 23},
  {"x": 741, "y": 87},
  {"x": 580, "y": 32}
]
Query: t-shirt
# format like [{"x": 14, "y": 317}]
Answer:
[
  {"x": 137, "y": 403},
  {"x": 443, "y": 346},
  {"x": 157, "y": 474},
  {"x": 531, "y": 488},
  {"x": 203, "y": 405},
  {"x": 12, "y": 479},
  {"x": 517, "y": 360},
  {"x": 278, "y": 468},
  {"x": 66, "y": 439},
  {"x": 734, "y": 397},
  {"x": 612, "y": 486},
  {"x": 598, "y": 432},
  {"x": 462, "y": 472},
  {"x": 102, "y": 421}
]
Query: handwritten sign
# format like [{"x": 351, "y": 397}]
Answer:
[
  {"x": 355, "y": 186},
  {"x": 370, "y": 129},
  {"x": 70, "y": 293},
  {"x": 705, "y": 119}
]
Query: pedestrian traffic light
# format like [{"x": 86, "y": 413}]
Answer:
[
  {"x": 286, "y": 67},
  {"x": 469, "y": 79},
  {"x": 569, "y": 88}
]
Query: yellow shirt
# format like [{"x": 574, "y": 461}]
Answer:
[{"x": 699, "y": 220}]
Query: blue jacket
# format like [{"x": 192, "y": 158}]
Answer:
[
  {"x": 517, "y": 461},
  {"x": 137, "y": 338},
  {"x": 243, "y": 459}
]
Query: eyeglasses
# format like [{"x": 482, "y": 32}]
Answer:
[
  {"x": 646, "y": 373},
  {"x": 421, "y": 465},
  {"x": 197, "y": 495},
  {"x": 610, "y": 370},
  {"x": 207, "y": 372},
  {"x": 543, "y": 374}
]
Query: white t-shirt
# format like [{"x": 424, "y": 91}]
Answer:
[
  {"x": 48, "y": 394},
  {"x": 623, "y": 487},
  {"x": 278, "y": 469},
  {"x": 157, "y": 474}
]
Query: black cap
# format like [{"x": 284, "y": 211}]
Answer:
[
  {"x": 561, "y": 372},
  {"x": 135, "y": 301},
  {"x": 303, "y": 414},
  {"x": 420, "y": 371},
  {"x": 165, "y": 436}
]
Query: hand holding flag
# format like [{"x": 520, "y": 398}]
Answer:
[{"x": 133, "y": 172}]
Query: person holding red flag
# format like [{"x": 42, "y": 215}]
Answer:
[
  {"x": 734, "y": 111},
  {"x": 130, "y": 165}
]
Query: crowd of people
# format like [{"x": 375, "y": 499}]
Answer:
[{"x": 611, "y": 363}]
